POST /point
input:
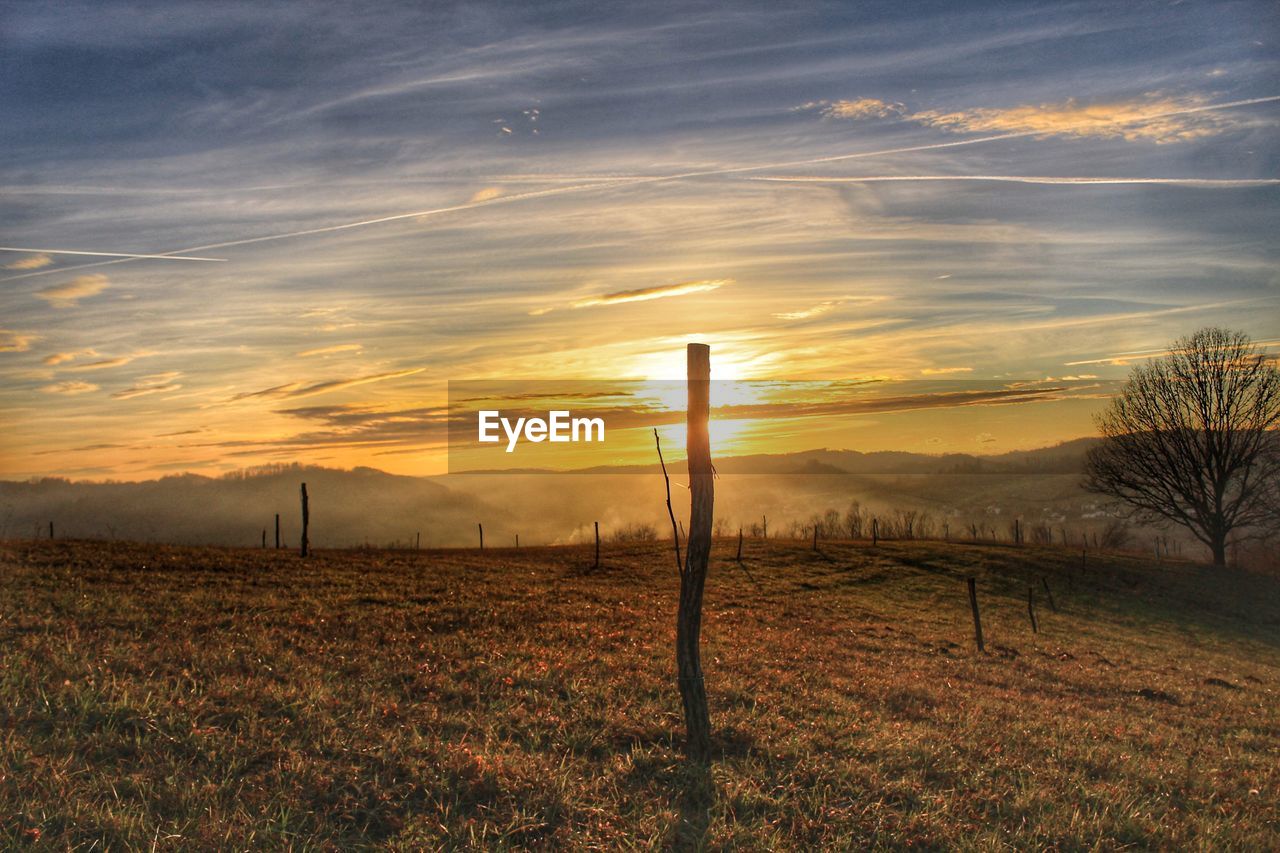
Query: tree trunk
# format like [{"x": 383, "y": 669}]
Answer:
[
  {"x": 1218, "y": 544},
  {"x": 693, "y": 579}
]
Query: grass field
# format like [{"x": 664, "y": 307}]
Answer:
[{"x": 186, "y": 697}]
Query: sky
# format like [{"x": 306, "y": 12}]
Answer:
[{"x": 359, "y": 205}]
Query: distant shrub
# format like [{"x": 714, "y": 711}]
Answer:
[{"x": 634, "y": 533}]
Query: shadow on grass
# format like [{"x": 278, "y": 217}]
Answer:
[{"x": 695, "y": 794}]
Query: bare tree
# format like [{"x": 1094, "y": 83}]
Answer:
[{"x": 1192, "y": 439}]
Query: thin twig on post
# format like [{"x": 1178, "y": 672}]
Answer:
[{"x": 675, "y": 534}]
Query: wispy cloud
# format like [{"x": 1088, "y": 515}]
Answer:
[
  {"x": 101, "y": 364},
  {"x": 31, "y": 262},
  {"x": 156, "y": 383},
  {"x": 300, "y": 389},
  {"x": 1153, "y": 119},
  {"x": 944, "y": 371},
  {"x": 336, "y": 348},
  {"x": 645, "y": 294},
  {"x": 823, "y": 307},
  {"x": 69, "y": 388},
  {"x": 11, "y": 341},
  {"x": 856, "y": 108},
  {"x": 69, "y": 295},
  {"x": 54, "y": 359}
]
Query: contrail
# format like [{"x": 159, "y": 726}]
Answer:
[
  {"x": 608, "y": 183},
  {"x": 1022, "y": 179},
  {"x": 130, "y": 255}
]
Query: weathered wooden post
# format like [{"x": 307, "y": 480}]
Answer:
[
  {"x": 277, "y": 531},
  {"x": 764, "y": 527},
  {"x": 977, "y": 620},
  {"x": 597, "y": 563},
  {"x": 739, "y": 544},
  {"x": 1031, "y": 608},
  {"x": 693, "y": 579},
  {"x": 946, "y": 531},
  {"x": 875, "y": 531},
  {"x": 417, "y": 540},
  {"x": 517, "y": 540},
  {"x": 306, "y": 519},
  {"x": 264, "y": 537},
  {"x": 51, "y": 530},
  {"x": 480, "y": 526},
  {"x": 1017, "y": 531},
  {"x": 1049, "y": 594}
]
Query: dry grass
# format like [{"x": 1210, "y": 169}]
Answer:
[{"x": 231, "y": 698}]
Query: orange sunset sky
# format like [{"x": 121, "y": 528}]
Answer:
[{"x": 345, "y": 211}]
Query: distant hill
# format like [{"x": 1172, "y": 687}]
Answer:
[
  {"x": 365, "y": 505},
  {"x": 347, "y": 508}
]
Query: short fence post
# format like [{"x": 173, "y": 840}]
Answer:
[
  {"x": 481, "y": 528},
  {"x": 739, "y": 544},
  {"x": 277, "y": 531},
  {"x": 1031, "y": 608},
  {"x": 306, "y": 519},
  {"x": 977, "y": 620},
  {"x": 875, "y": 531},
  {"x": 597, "y": 563}
]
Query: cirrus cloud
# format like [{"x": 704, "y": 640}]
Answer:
[
  {"x": 69, "y": 295},
  {"x": 69, "y": 388},
  {"x": 11, "y": 341},
  {"x": 31, "y": 262},
  {"x": 644, "y": 294}
]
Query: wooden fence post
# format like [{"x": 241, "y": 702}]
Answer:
[
  {"x": 51, "y": 530},
  {"x": 417, "y": 541},
  {"x": 597, "y": 563},
  {"x": 264, "y": 537},
  {"x": 481, "y": 529},
  {"x": 977, "y": 620},
  {"x": 875, "y": 531},
  {"x": 739, "y": 544},
  {"x": 306, "y": 519},
  {"x": 764, "y": 529},
  {"x": 1031, "y": 608},
  {"x": 1049, "y": 593},
  {"x": 693, "y": 692}
]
